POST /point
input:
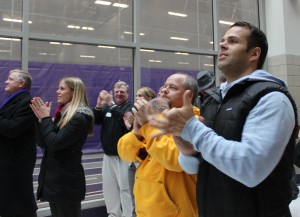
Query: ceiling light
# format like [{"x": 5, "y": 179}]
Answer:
[
  {"x": 58, "y": 43},
  {"x": 85, "y": 56},
  {"x": 14, "y": 20},
  {"x": 54, "y": 42},
  {"x": 43, "y": 54},
  {"x": 145, "y": 50},
  {"x": 211, "y": 42},
  {"x": 88, "y": 28},
  {"x": 128, "y": 33},
  {"x": 155, "y": 61},
  {"x": 180, "y": 53},
  {"x": 177, "y": 14},
  {"x": 102, "y": 2},
  {"x": 178, "y": 38},
  {"x": 183, "y": 63},
  {"x": 4, "y": 51},
  {"x": 226, "y": 22},
  {"x": 120, "y": 5},
  {"x": 104, "y": 46},
  {"x": 210, "y": 65},
  {"x": 73, "y": 27},
  {"x": 9, "y": 39}
]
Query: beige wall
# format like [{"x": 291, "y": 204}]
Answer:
[
  {"x": 287, "y": 67},
  {"x": 282, "y": 30}
]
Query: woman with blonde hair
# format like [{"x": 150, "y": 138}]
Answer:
[{"x": 61, "y": 179}]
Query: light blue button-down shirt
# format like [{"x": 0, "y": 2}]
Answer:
[{"x": 266, "y": 132}]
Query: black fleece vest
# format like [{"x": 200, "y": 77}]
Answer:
[{"x": 218, "y": 195}]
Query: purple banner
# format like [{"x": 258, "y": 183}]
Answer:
[{"x": 47, "y": 75}]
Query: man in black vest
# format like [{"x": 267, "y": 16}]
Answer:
[
  {"x": 17, "y": 148},
  {"x": 246, "y": 138}
]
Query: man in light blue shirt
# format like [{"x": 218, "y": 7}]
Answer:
[{"x": 242, "y": 150}]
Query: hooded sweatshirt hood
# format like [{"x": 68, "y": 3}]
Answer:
[{"x": 258, "y": 75}]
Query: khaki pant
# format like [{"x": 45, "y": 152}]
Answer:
[{"x": 116, "y": 190}]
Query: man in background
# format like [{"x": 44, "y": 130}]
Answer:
[
  {"x": 205, "y": 81},
  {"x": 110, "y": 115},
  {"x": 17, "y": 148}
]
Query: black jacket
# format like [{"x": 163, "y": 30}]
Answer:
[
  {"x": 17, "y": 156},
  {"x": 113, "y": 127},
  {"x": 61, "y": 177},
  {"x": 218, "y": 194},
  {"x": 297, "y": 154}
]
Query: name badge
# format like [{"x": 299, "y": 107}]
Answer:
[{"x": 108, "y": 114}]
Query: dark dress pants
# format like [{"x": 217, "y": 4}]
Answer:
[
  {"x": 65, "y": 209},
  {"x": 21, "y": 215}
]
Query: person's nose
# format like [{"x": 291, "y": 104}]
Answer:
[
  {"x": 165, "y": 90},
  {"x": 223, "y": 45}
]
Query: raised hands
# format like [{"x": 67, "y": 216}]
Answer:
[
  {"x": 104, "y": 97},
  {"x": 139, "y": 111},
  {"x": 128, "y": 119},
  {"x": 40, "y": 109},
  {"x": 172, "y": 121}
]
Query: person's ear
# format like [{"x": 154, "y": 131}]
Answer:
[
  {"x": 21, "y": 83},
  {"x": 255, "y": 54}
]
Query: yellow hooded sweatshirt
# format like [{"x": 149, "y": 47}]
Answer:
[{"x": 161, "y": 187}]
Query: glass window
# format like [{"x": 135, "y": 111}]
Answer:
[
  {"x": 237, "y": 10},
  {"x": 11, "y": 15},
  {"x": 177, "y": 23},
  {"x": 158, "y": 65},
  {"x": 10, "y": 56},
  {"x": 84, "y": 18},
  {"x": 99, "y": 66}
]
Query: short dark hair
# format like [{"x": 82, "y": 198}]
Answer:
[{"x": 257, "y": 38}]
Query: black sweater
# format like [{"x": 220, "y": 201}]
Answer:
[{"x": 113, "y": 127}]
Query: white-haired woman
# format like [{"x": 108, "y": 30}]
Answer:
[{"x": 61, "y": 178}]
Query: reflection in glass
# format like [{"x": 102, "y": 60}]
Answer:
[
  {"x": 237, "y": 10},
  {"x": 10, "y": 57},
  {"x": 11, "y": 15},
  {"x": 158, "y": 65},
  {"x": 84, "y": 18},
  {"x": 177, "y": 23},
  {"x": 98, "y": 67}
]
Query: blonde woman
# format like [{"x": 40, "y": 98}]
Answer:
[
  {"x": 143, "y": 93},
  {"x": 61, "y": 178}
]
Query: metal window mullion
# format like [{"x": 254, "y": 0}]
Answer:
[
  {"x": 136, "y": 50},
  {"x": 25, "y": 35}
]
